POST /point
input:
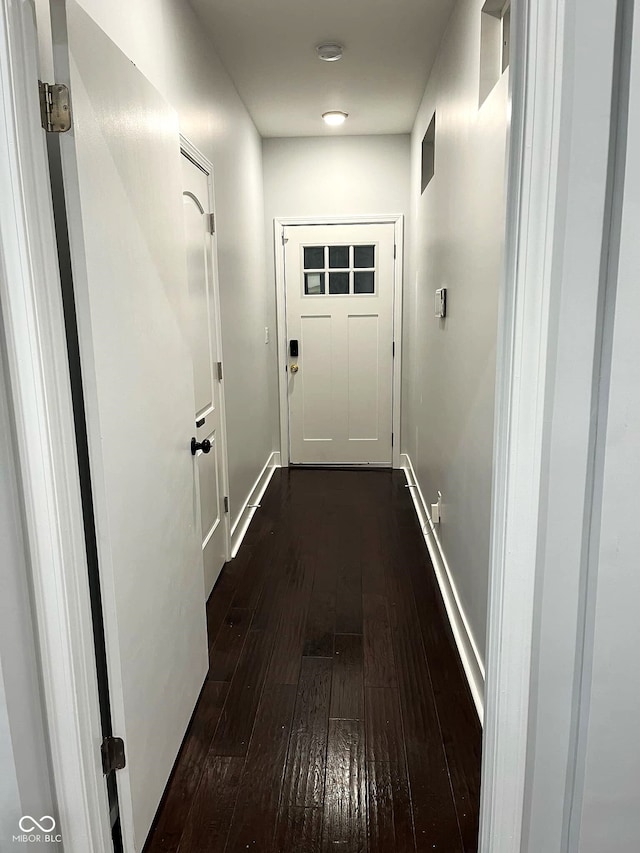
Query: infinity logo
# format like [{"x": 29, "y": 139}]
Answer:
[{"x": 45, "y": 824}]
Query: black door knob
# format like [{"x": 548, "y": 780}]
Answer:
[{"x": 204, "y": 446}]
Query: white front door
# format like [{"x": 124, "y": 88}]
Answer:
[
  {"x": 207, "y": 367},
  {"x": 123, "y": 188},
  {"x": 339, "y": 294}
]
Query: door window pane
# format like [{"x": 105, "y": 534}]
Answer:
[
  {"x": 364, "y": 256},
  {"x": 338, "y": 257},
  {"x": 314, "y": 257},
  {"x": 314, "y": 283},
  {"x": 364, "y": 282},
  {"x": 339, "y": 282}
]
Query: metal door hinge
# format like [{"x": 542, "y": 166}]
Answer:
[
  {"x": 211, "y": 223},
  {"x": 55, "y": 111},
  {"x": 395, "y": 252},
  {"x": 393, "y": 349},
  {"x": 226, "y": 503},
  {"x": 285, "y": 240},
  {"x": 113, "y": 757},
  {"x": 219, "y": 364},
  {"x": 391, "y": 439}
]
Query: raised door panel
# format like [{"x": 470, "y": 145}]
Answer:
[
  {"x": 363, "y": 376},
  {"x": 195, "y": 237}
]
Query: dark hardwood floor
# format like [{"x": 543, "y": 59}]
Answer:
[{"x": 336, "y": 715}]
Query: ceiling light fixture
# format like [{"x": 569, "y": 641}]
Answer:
[
  {"x": 334, "y": 118},
  {"x": 329, "y": 52}
]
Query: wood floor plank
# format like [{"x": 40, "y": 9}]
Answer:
[
  {"x": 347, "y": 686},
  {"x": 459, "y": 723},
  {"x": 290, "y": 623},
  {"x": 266, "y": 554},
  {"x": 383, "y": 726},
  {"x": 373, "y": 569},
  {"x": 306, "y": 761},
  {"x": 379, "y": 664},
  {"x": 299, "y": 831},
  {"x": 209, "y": 820},
  {"x": 435, "y": 816},
  {"x": 389, "y": 807},
  {"x": 189, "y": 766},
  {"x": 219, "y": 603},
  {"x": 225, "y": 651},
  {"x": 319, "y": 630},
  {"x": 345, "y": 808},
  {"x": 321, "y": 619},
  {"x": 278, "y": 559},
  {"x": 238, "y": 715},
  {"x": 251, "y": 584},
  {"x": 256, "y": 814},
  {"x": 349, "y": 595}
]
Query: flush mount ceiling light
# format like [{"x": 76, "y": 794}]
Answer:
[
  {"x": 335, "y": 117},
  {"x": 329, "y": 52}
]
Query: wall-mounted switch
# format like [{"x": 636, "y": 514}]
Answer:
[
  {"x": 441, "y": 303},
  {"x": 266, "y": 335}
]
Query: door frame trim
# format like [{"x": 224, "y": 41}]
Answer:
[
  {"x": 548, "y": 376},
  {"x": 196, "y": 156},
  {"x": 522, "y": 404},
  {"x": 280, "y": 222}
]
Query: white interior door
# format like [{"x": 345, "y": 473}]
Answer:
[
  {"x": 339, "y": 283},
  {"x": 123, "y": 186},
  {"x": 207, "y": 367}
]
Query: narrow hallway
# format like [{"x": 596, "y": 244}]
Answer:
[{"x": 335, "y": 714}]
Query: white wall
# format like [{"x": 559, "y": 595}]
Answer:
[
  {"x": 340, "y": 176},
  {"x": 457, "y": 233},
  {"x": 167, "y": 42}
]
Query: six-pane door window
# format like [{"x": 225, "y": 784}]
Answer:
[{"x": 339, "y": 270}]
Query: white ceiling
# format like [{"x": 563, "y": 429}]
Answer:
[{"x": 268, "y": 48}]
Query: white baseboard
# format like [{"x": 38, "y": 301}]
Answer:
[
  {"x": 467, "y": 648},
  {"x": 241, "y": 524}
]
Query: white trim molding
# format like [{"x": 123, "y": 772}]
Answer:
[
  {"x": 524, "y": 346},
  {"x": 252, "y": 503},
  {"x": 281, "y": 222},
  {"x": 39, "y": 384},
  {"x": 465, "y": 642}
]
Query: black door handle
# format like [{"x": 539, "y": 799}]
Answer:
[{"x": 204, "y": 446}]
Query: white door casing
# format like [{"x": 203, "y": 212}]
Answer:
[
  {"x": 339, "y": 282},
  {"x": 122, "y": 183},
  {"x": 205, "y": 341}
]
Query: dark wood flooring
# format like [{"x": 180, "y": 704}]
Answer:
[{"x": 336, "y": 715}]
